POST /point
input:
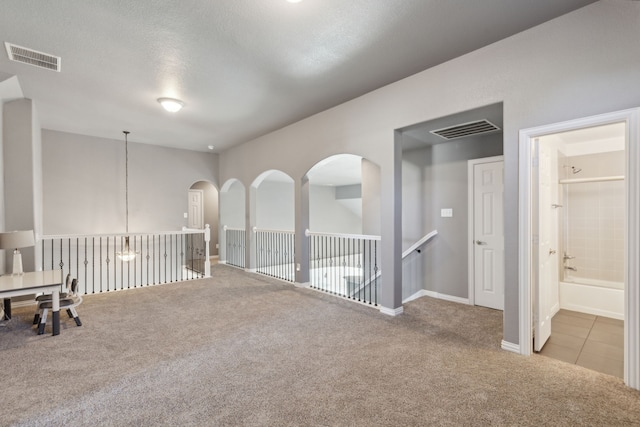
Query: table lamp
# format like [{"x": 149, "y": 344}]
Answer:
[{"x": 16, "y": 240}]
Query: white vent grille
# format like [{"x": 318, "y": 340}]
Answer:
[
  {"x": 33, "y": 57},
  {"x": 466, "y": 129}
]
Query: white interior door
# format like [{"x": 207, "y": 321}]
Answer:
[
  {"x": 547, "y": 276},
  {"x": 488, "y": 234},
  {"x": 196, "y": 210}
]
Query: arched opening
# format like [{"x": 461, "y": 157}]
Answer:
[
  {"x": 335, "y": 195},
  {"x": 232, "y": 224},
  {"x": 344, "y": 227},
  {"x": 273, "y": 225}
]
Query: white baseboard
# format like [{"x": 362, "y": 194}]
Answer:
[
  {"x": 509, "y": 346},
  {"x": 223, "y": 261},
  {"x": 391, "y": 311},
  {"x": 251, "y": 270},
  {"x": 437, "y": 295},
  {"x": 419, "y": 294},
  {"x": 302, "y": 285}
]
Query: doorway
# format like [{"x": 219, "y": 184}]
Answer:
[
  {"x": 538, "y": 245},
  {"x": 579, "y": 301},
  {"x": 203, "y": 209}
]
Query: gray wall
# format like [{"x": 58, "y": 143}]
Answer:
[
  {"x": 22, "y": 149},
  {"x": 435, "y": 178},
  {"x": 22, "y": 144},
  {"x": 275, "y": 206},
  {"x": 371, "y": 198},
  {"x": 84, "y": 185},
  {"x": 327, "y": 214},
  {"x": 577, "y": 65},
  {"x": 9, "y": 90},
  {"x": 232, "y": 206}
]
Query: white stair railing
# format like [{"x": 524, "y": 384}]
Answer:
[
  {"x": 235, "y": 239},
  {"x": 345, "y": 265},
  {"x": 419, "y": 243},
  {"x": 413, "y": 272},
  {"x": 275, "y": 253}
]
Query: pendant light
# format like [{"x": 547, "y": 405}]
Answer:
[{"x": 127, "y": 254}]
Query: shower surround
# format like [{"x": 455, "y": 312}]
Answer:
[{"x": 592, "y": 261}]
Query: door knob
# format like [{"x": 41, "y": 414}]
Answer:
[
  {"x": 552, "y": 251},
  {"x": 480, "y": 242}
]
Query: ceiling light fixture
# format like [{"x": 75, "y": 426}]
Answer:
[
  {"x": 294, "y": 1},
  {"x": 171, "y": 104}
]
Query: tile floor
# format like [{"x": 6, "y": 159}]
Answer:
[{"x": 594, "y": 342}]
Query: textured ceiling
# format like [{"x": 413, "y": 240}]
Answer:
[{"x": 242, "y": 67}]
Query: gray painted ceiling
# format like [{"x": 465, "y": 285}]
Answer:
[{"x": 242, "y": 67}]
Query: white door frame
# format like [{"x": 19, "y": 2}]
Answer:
[
  {"x": 470, "y": 217},
  {"x": 632, "y": 226}
]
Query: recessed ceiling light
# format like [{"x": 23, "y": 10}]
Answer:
[
  {"x": 294, "y": 1},
  {"x": 171, "y": 104},
  {"x": 211, "y": 147}
]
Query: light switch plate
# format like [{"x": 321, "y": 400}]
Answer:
[
  {"x": 446, "y": 213},
  {"x": 186, "y": 215}
]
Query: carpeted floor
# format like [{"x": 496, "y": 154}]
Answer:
[{"x": 239, "y": 349}]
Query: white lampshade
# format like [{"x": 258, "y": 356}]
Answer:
[{"x": 17, "y": 239}]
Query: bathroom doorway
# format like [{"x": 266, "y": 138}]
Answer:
[
  {"x": 537, "y": 243},
  {"x": 581, "y": 211}
]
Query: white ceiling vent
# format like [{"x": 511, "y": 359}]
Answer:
[
  {"x": 466, "y": 129},
  {"x": 33, "y": 57}
]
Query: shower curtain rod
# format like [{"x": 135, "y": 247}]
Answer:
[{"x": 597, "y": 179}]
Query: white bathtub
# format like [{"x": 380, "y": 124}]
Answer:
[{"x": 599, "y": 297}]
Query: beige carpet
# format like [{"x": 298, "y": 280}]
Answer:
[{"x": 238, "y": 349}]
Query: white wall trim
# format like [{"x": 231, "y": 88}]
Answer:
[
  {"x": 632, "y": 226},
  {"x": 302, "y": 285},
  {"x": 392, "y": 311},
  {"x": 421, "y": 293},
  {"x": 437, "y": 295},
  {"x": 470, "y": 221},
  {"x": 509, "y": 346},
  {"x": 446, "y": 297}
]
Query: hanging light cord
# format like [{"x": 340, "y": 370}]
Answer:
[{"x": 126, "y": 179}]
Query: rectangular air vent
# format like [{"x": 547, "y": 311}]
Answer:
[
  {"x": 466, "y": 129},
  {"x": 33, "y": 57}
]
